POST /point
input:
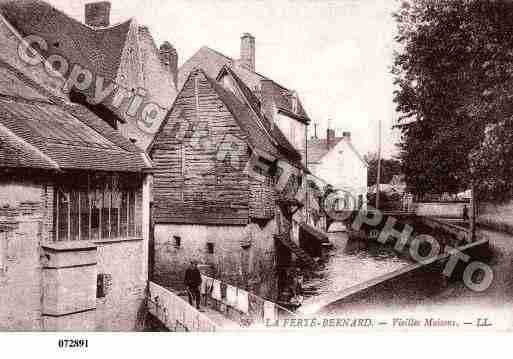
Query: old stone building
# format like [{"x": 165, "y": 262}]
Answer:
[
  {"x": 218, "y": 159},
  {"x": 133, "y": 81},
  {"x": 74, "y": 209}
]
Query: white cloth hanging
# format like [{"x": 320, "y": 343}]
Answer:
[
  {"x": 269, "y": 311},
  {"x": 216, "y": 291},
  {"x": 242, "y": 301},
  {"x": 231, "y": 295}
]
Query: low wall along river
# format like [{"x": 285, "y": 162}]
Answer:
[{"x": 366, "y": 272}]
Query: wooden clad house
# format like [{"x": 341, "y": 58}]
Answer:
[
  {"x": 208, "y": 206},
  {"x": 279, "y": 103},
  {"x": 74, "y": 209}
]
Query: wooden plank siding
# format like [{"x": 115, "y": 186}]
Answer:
[{"x": 193, "y": 183}]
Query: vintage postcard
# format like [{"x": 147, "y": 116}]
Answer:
[{"x": 256, "y": 166}]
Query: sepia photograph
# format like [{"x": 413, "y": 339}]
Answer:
[{"x": 255, "y": 167}]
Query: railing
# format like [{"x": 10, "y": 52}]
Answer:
[{"x": 175, "y": 313}]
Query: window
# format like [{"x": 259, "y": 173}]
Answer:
[
  {"x": 210, "y": 248},
  {"x": 103, "y": 284},
  {"x": 178, "y": 241},
  {"x": 103, "y": 207}
]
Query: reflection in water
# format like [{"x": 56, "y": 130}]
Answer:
[{"x": 350, "y": 262}]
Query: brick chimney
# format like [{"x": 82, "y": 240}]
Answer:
[
  {"x": 97, "y": 14},
  {"x": 247, "y": 51},
  {"x": 330, "y": 138},
  {"x": 267, "y": 99},
  {"x": 169, "y": 58}
]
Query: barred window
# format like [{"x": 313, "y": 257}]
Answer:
[{"x": 104, "y": 207}]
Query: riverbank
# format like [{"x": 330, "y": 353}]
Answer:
[{"x": 451, "y": 300}]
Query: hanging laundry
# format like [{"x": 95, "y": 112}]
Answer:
[
  {"x": 231, "y": 295},
  {"x": 242, "y": 301},
  {"x": 216, "y": 290},
  {"x": 209, "y": 286},
  {"x": 269, "y": 311},
  {"x": 203, "y": 288}
]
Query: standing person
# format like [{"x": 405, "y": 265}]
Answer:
[
  {"x": 193, "y": 282},
  {"x": 465, "y": 213}
]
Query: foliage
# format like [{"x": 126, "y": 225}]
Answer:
[
  {"x": 389, "y": 168},
  {"x": 453, "y": 71}
]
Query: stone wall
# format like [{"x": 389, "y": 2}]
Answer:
[
  {"x": 243, "y": 256},
  {"x": 123, "y": 304},
  {"x": 21, "y": 215},
  {"x": 441, "y": 209},
  {"x": 30, "y": 275}
]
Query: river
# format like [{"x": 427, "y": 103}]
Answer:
[{"x": 349, "y": 263}]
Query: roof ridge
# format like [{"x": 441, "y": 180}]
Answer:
[
  {"x": 261, "y": 117},
  {"x": 255, "y": 72}
]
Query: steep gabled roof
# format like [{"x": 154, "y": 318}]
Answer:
[
  {"x": 38, "y": 132},
  {"x": 248, "y": 120},
  {"x": 277, "y": 137},
  {"x": 318, "y": 148},
  {"x": 97, "y": 49},
  {"x": 212, "y": 61},
  {"x": 124, "y": 54}
]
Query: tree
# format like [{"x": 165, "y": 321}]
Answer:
[
  {"x": 453, "y": 73},
  {"x": 389, "y": 168}
]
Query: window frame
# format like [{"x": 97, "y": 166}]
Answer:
[{"x": 104, "y": 192}]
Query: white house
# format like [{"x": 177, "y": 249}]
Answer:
[{"x": 336, "y": 161}]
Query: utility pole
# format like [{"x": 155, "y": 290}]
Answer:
[
  {"x": 378, "y": 179},
  {"x": 473, "y": 213}
]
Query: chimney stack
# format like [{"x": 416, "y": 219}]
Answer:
[
  {"x": 267, "y": 99},
  {"x": 247, "y": 51},
  {"x": 97, "y": 14},
  {"x": 169, "y": 58}
]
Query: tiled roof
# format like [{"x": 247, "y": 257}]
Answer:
[
  {"x": 263, "y": 138},
  {"x": 286, "y": 147},
  {"x": 97, "y": 49},
  {"x": 212, "y": 61},
  {"x": 65, "y": 139},
  {"x": 16, "y": 153},
  {"x": 318, "y": 148},
  {"x": 124, "y": 53},
  {"x": 39, "y": 133},
  {"x": 242, "y": 114}
]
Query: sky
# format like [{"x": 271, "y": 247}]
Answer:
[{"x": 336, "y": 54}]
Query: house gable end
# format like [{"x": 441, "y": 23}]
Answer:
[{"x": 200, "y": 153}]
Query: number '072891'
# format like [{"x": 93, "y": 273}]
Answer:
[{"x": 73, "y": 343}]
